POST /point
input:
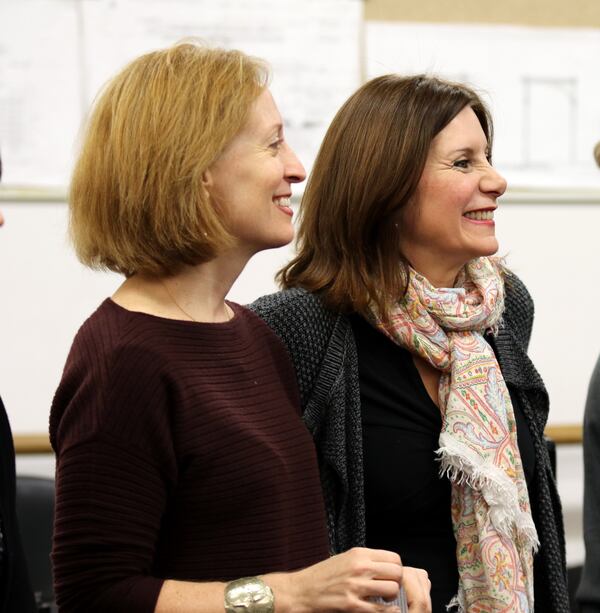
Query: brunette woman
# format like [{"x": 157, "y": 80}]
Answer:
[{"x": 409, "y": 339}]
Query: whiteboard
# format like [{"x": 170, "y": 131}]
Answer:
[
  {"x": 56, "y": 54},
  {"x": 542, "y": 84}
]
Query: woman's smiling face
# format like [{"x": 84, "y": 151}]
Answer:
[
  {"x": 452, "y": 218},
  {"x": 252, "y": 180}
]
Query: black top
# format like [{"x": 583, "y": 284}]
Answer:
[
  {"x": 15, "y": 593},
  {"x": 322, "y": 345},
  {"x": 408, "y": 511}
]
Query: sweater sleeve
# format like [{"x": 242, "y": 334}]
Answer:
[
  {"x": 322, "y": 348},
  {"x": 588, "y": 594},
  {"x": 115, "y": 466},
  {"x": 519, "y": 311}
]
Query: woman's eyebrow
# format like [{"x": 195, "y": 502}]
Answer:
[
  {"x": 469, "y": 150},
  {"x": 276, "y": 128}
]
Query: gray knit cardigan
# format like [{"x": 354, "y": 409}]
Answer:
[{"x": 323, "y": 350}]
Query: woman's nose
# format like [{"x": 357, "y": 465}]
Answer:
[
  {"x": 294, "y": 171},
  {"x": 493, "y": 181}
]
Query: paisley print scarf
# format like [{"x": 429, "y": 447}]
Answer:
[{"x": 478, "y": 450}]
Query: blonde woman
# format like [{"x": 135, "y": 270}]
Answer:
[{"x": 186, "y": 480}]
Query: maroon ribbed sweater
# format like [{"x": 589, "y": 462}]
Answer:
[{"x": 180, "y": 454}]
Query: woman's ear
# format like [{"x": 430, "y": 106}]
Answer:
[
  {"x": 207, "y": 179},
  {"x": 208, "y": 184}
]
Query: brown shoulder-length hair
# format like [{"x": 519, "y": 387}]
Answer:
[
  {"x": 137, "y": 199},
  {"x": 366, "y": 172}
]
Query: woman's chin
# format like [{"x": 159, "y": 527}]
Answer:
[
  {"x": 486, "y": 248},
  {"x": 480, "y": 251}
]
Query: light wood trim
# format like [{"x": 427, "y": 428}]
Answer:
[
  {"x": 23, "y": 193},
  {"x": 545, "y": 13},
  {"x": 551, "y": 196},
  {"x": 564, "y": 434},
  {"x": 32, "y": 443}
]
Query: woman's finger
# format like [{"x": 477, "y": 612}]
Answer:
[{"x": 417, "y": 586}]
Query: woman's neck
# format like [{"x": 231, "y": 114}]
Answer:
[
  {"x": 438, "y": 276},
  {"x": 195, "y": 293},
  {"x": 438, "y": 268}
]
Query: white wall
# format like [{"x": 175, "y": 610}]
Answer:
[
  {"x": 46, "y": 295},
  {"x": 554, "y": 249}
]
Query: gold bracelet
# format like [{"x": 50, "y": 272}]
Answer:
[{"x": 249, "y": 595}]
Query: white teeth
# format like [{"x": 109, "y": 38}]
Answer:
[
  {"x": 282, "y": 201},
  {"x": 480, "y": 215}
]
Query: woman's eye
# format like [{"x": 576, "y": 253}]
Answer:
[
  {"x": 276, "y": 145},
  {"x": 461, "y": 164}
]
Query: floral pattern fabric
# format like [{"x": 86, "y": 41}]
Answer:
[{"x": 491, "y": 515}]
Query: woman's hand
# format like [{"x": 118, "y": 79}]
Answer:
[
  {"x": 343, "y": 583},
  {"x": 417, "y": 587},
  {"x": 346, "y": 581}
]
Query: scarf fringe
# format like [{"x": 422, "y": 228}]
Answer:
[
  {"x": 457, "y": 604},
  {"x": 462, "y": 466}
]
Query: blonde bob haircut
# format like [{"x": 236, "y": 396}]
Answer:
[{"x": 137, "y": 200}]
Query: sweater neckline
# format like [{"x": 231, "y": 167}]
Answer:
[{"x": 221, "y": 325}]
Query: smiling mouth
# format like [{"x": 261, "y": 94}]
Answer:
[
  {"x": 480, "y": 215},
  {"x": 283, "y": 202}
]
